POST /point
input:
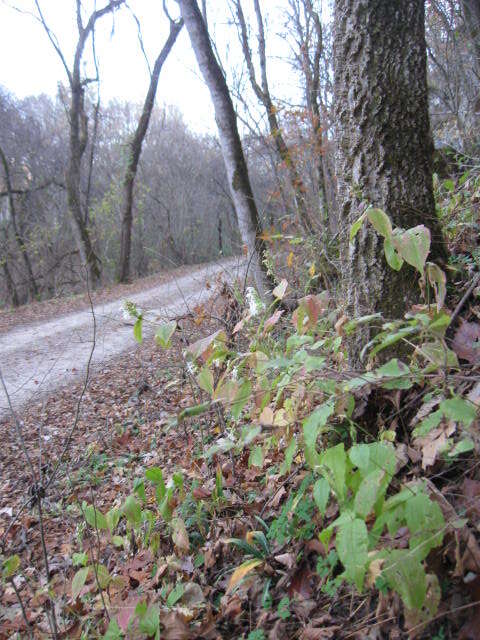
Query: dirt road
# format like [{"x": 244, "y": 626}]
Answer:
[{"x": 38, "y": 358}]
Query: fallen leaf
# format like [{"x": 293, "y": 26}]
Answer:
[{"x": 466, "y": 342}]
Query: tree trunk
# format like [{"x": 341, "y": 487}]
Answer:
[
  {"x": 235, "y": 164},
  {"x": 19, "y": 239},
  {"x": 135, "y": 151},
  {"x": 384, "y": 152},
  {"x": 264, "y": 96}
]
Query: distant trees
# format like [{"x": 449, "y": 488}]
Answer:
[{"x": 384, "y": 156}]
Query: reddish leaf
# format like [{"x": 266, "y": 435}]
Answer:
[{"x": 466, "y": 342}]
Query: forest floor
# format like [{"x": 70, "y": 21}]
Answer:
[{"x": 38, "y": 357}]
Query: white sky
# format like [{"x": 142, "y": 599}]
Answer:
[{"x": 31, "y": 66}]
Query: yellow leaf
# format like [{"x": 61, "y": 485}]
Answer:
[
  {"x": 266, "y": 417},
  {"x": 290, "y": 259},
  {"x": 241, "y": 571},
  {"x": 311, "y": 271}
]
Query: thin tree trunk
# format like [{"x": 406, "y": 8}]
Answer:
[
  {"x": 235, "y": 164},
  {"x": 471, "y": 14},
  {"x": 384, "y": 152},
  {"x": 19, "y": 239},
  {"x": 135, "y": 151},
  {"x": 264, "y": 96}
]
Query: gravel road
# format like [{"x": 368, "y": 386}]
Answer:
[{"x": 38, "y": 358}]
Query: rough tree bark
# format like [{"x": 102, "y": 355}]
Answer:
[
  {"x": 262, "y": 91},
  {"x": 78, "y": 122},
  {"x": 19, "y": 239},
  {"x": 384, "y": 153},
  {"x": 135, "y": 149},
  {"x": 235, "y": 164}
]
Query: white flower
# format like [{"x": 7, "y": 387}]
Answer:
[{"x": 254, "y": 303}]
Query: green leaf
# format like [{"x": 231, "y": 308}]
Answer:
[
  {"x": 150, "y": 620},
  {"x": 205, "y": 380},
  {"x": 79, "y": 559},
  {"x": 438, "y": 280},
  {"x": 113, "y": 517},
  {"x": 321, "y": 493},
  {"x": 380, "y": 221},
  {"x": 463, "y": 446},
  {"x": 94, "y": 517},
  {"x": 394, "y": 260},
  {"x": 425, "y": 522},
  {"x": 334, "y": 465},
  {"x": 113, "y": 632},
  {"x": 164, "y": 333},
  {"x": 137, "y": 329},
  {"x": 368, "y": 492},
  {"x": 406, "y": 575},
  {"x": 155, "y": 475},
  {"x": 132, "y": 510},
  {"x": 10, "y": 566},
  {"x": 352, "y": 549},
  {"x": 290, "y": 452},
  {"x": 356, "y": 226},
  {"x": 196, "y": 410},
  {"x": 78, "y": 581},
  {"x": 103, "y": 576},
  {"x": 241, "y": 399},
  {"x": 414, "y": 246},
  {"x": 221, "y": 446},
  {"x": 175, "y": 594},
  {"x": 311, "y": 429},
  {"x": 256, "y": 457},
  {"x": 459, "y": 410}
]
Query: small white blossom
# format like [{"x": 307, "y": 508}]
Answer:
[{"x": 254, "y": 303}]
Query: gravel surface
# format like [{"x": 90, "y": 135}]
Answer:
[{"x": 38, "y": 358}]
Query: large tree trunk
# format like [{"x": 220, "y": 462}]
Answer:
[
  {"x": 135, "y": 151},
  {"x": 235, "y": 164},
  {"x": 384, "y": 154}
]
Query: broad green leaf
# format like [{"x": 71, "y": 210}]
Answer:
[
  {"x": 321, "y": 493},
  {"x": 113, "y": 518},
  {"x": 414, "y": 246},
  {"x": 334, "y": 465},
  {"x": 242, "y": 397},
  {"x": 196, "y": 410},
  {"x": 256, "y": 457},
  {"x": 393, "y": 258},
  {"x": 356, "y": 226},
  {"x": 459, "y": 410},
  {"x": 78, "y": 581},
  {"x": 137, "y": 329},
  {"x": 311, "y": 429},
  {"x": 150, "y": 620},
  {"x": 368, "y": 493},
  {"x": 113, "y": 632},
  {"x": 406, "y": 575},
  {"x": 463, "y": 446},
  {"x": 289, "y": 455},
  {"x": 164, "y": 333},
  {"x": 103, "y": 576},
  {"x": 426, "y": 524},
  {"x": 175, "y": 594},
  {"x": 132, "y": 510},
  {"x": 352, "y": 549},
  {"x": 155, "y": 475},
  {"x": 10, "y": 566},
  {"x": 205, "y": 380},
  {"x": 249, "y": 433},
  {"x": 79, "y": 559},
  {"x": 94, "y": 517},
  {"x": 380, "y": 221}
]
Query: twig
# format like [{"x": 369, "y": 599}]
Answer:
[
  {"x": 465, "y": 297},
  {"x": 52, "y": 619},
  {"x": 24, "y": 613}
]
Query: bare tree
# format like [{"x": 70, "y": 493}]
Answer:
[
  {"x": 262, "y": 91},
  {"x": 384, "y": 155},
  {"x": 78, "y": 122},
  {"x": 135, "y": 149},
  {"x": 17, "y": 231},
  {"x": 239, "y": 182}
]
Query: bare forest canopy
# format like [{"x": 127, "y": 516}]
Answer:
[{"x": 62, "y": 198}]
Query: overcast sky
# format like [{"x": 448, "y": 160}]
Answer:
[{"x": 30, "y": 65}]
